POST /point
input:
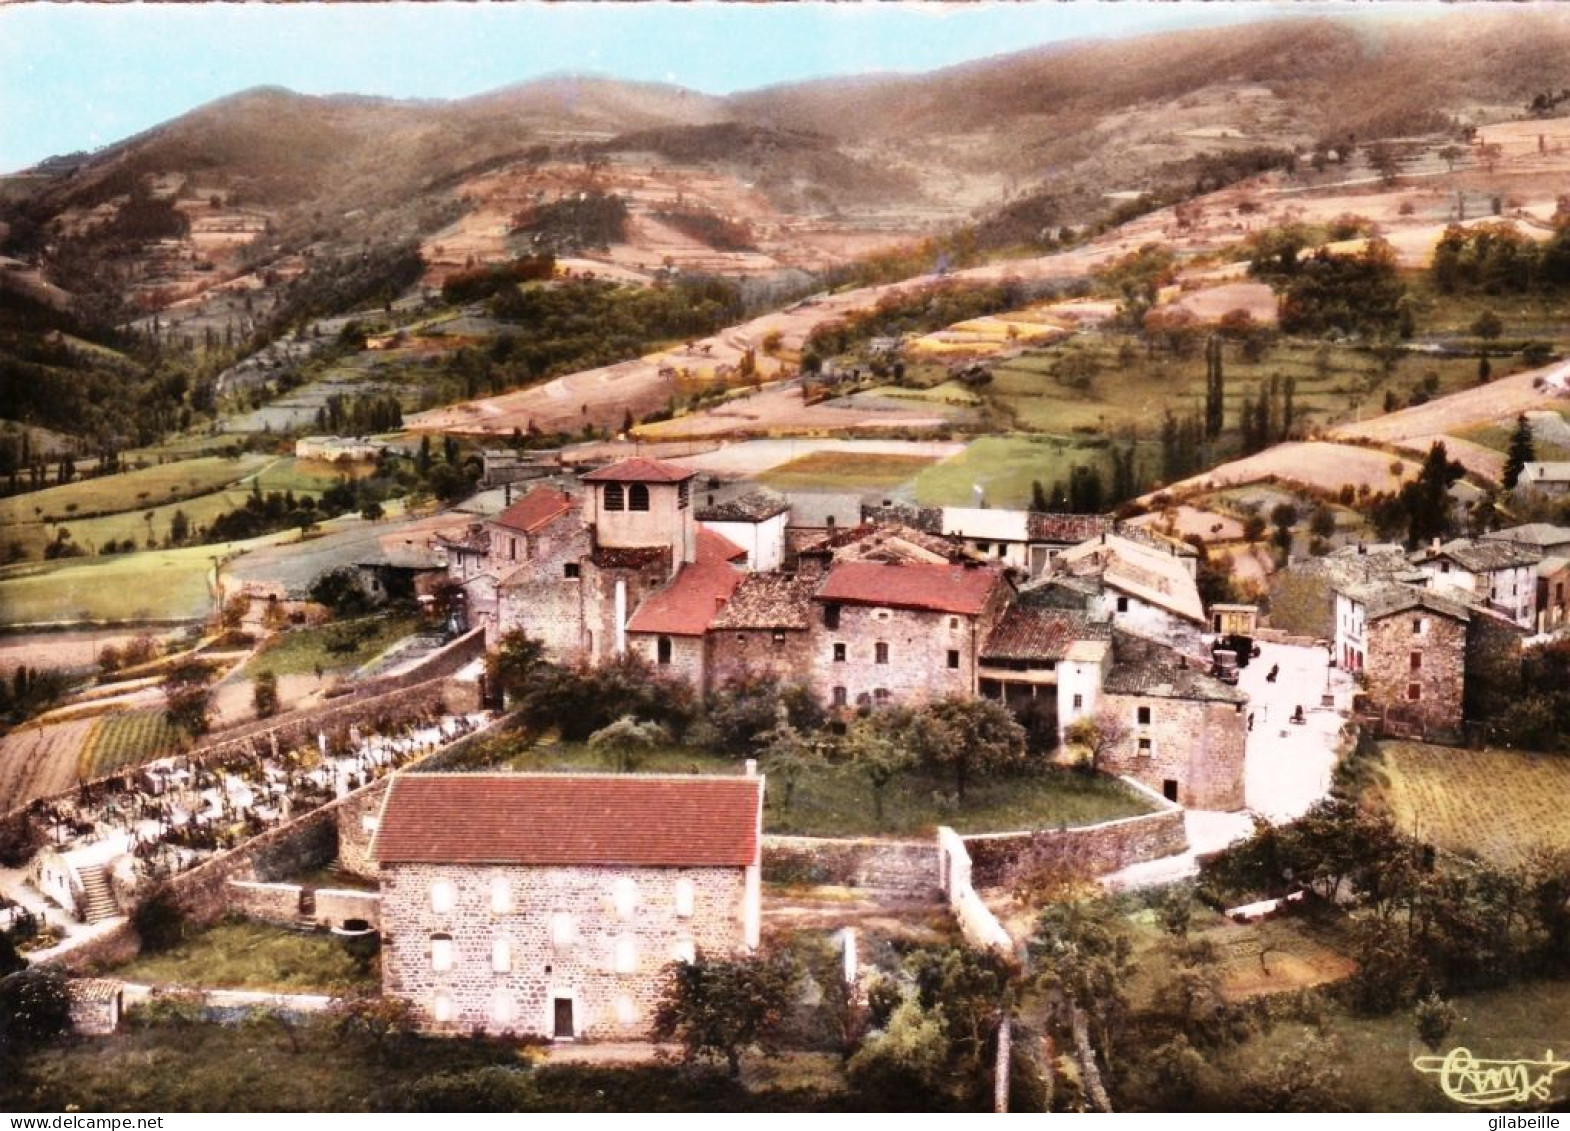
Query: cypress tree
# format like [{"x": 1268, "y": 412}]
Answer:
[{"x": 1522, "y": 452}]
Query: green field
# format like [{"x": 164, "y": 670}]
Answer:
[
  {"x": 845, "y": 470},
  {"x": 332, "y": 647},
  {"x": 157, "y": 585},
  {"x": 245, "y": 955},
  {"x": 1372, "y": 1056},
  {"x": 1006, "y": 466},
  {"x": 132, "y": 491},
  {"x": 1497, "y": 437},
  {"x": 834, "y": 800},
  {"x": 126, "y": 739},
  {"x": 307, "y": 476},
  {"x": 93, "y": 533}
]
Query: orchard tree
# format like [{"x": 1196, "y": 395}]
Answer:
[
  {"x": 871, "y": 746},
  {"x": 971, "y": 737},
  {"x": 628, "y": 740},
  {"x": 510, "y": 669},
  {"x": 786, "y": 754},
  {"x": 721, "y": 1008}
]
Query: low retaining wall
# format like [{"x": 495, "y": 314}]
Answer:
[
  {"x": 976, "y": 921},
  {"x": 1098, "y": 849},
  {"x": 1281, "y": 636},
  {"x": 280, "y": 903},
  {"x": 910, "y": 866}
]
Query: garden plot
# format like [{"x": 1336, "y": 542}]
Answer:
[{"x": 41, "y": 761}]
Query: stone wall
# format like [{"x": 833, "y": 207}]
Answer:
[
  {"x": 543, "y": 601},
  {"x": 572, "y": 934},
  {"x": 920, "y": 647},
  {"x": 687, "y": 657},
  {"x": 1197, "y": 744},
  {"x": 976, "y": 921},
  {"x": 356, "y": 817},
  {"x": 280, "y": 903},
  {"x": 737, "y": 655},
  {"x": 1099, "y": 849},
  {"x": 910, "y": 866}
]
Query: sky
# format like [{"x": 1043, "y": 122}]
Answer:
[{"x": 77, "y": 76}]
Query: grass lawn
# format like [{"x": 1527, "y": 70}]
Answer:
[
  {"x": 126, "y": 739},
  {"x": 246, "y": 955},
  {"x": 136, "y": 491},
  {"x": 1006, "y": 466},
  {"x": 332, "y": 647},
  {"x": 835, "y": 800},
  {"x": 1374, "y": 1054},
  {"x": 203, "y": 1066},
  {"x": 845, "y": 470},
  {"x": 1500, "y": 805}
]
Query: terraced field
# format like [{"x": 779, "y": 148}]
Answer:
[
  {"x": 1499, "y": 805},
  {"x": 41, "y": 761}
]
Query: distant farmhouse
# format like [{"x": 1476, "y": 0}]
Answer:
[{"x": 339, "y": 449}]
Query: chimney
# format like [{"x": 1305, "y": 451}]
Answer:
[
  {"x": 752, "y": 767},
  {"x": 1433, "y": 546},
  {"x": 507, "y": 494}
]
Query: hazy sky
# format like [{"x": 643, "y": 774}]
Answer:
[{"x": 79, "y": 76}]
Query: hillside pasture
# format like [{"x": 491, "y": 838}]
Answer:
[
  {"x": 1497, "y": 805},
  {"x": 40, "y": 761},
  {"x": 1006, "y": 466},
  {"x": 155, "y": 523},
  {"x": 164, "y": 585},
  {"x": 131, "y": 491}
]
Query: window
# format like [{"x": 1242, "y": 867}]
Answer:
[
  {"x": 840, "y": 697},
  {"x": 662, "y": 650},
  {"x": 441, "y": 952},
  {"x": 441, "y": 1007},
  {"x": 501, "y": 895},
  {"x": 563, "y": 931},
  {"x": 831, "y": 616},
  {"x": 626, "y": 1011},
  {"x": 1142, "y": 716},
  {"x": 1444, "y": 567},
  {"x": 638, "y": 497},
  {"x": 1414, "y": 691},
  {"x": 570, "y": 569},
  {"x": 839, "y": 653},
  {"x": 501, "y": 956},
  {"x": 1144, "y": 747},
  {"x": 953, "y": 624},
  {"x": 953, "y": 657},
  {"x": 626, "y": 895},
  {"x": 615, "y": 497},
  {"x": 779, "y": 637},
  {"x": 512, "y": 548},
  {"x": 626, "y": 955},
  {"x": 1079, "y": 700},
  {"x": 683, "y": 494},
  {"x": 983, "y": 547},
  {"x": 1417, "y": 626},
  {"x": 880, "y": 652},
  {"x": 686, "y": 898},
  {"x": 443, "y": 895},
  {"x": 881, "y": 695},
  {"x": 1417, "y": 661},
  {"x": 1122, "y": 604},
  {"x": 502, "y": 1010}
]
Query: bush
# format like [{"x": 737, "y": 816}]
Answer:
[
  {"x": 159, "y": 920},
  {"x": 35, "y": 1006},
  {"x": 489, "y": 1089}
]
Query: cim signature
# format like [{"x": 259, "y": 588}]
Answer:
[{"x": 1483, "y": 1083}]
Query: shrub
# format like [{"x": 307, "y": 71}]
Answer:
[
  {"x": 35, "y": 1006},
  {"x": 159, "y": 920}
]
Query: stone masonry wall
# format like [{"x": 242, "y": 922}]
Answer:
[
  {"x": 688, "y": 656},
  {"x": 1100, "y": 849},
  {"x": 910, "y": 866},
  {"x": 584, "y": 967},
  {"x": 280, "y": 903},
  {"x": 736, "y": 655},
  {"x": 1196, "y": 743},
  {"x": 919, "y": 645},
  {"x": 544, "y": 602},
  {"x": 1440, "y": 676}
]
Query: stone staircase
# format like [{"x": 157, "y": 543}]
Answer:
[{"x": 97, "y": 900}]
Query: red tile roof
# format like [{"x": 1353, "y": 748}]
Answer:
[
  {"x": 714, "y": 547},
  {"x": 539, "y": 507},
  {"x": 689, "y": 604},
  {"x": 566, "y": 819},
  {"x": 939, "y": 587},
  {"x": 639, "y": 470}
]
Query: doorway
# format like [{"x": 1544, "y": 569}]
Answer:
[
  {"x": 562, "y": 1029},
  {"x": 1169, "y": 789}
]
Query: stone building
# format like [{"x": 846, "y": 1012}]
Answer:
[
  {"x": 1547, "y": 478},
  {"x": 669, "y": 628},
  {"x": 1141, "y": 587},
  {"x": 1410, "y": 646},
  {"x": 902, "y": 631},
  {"x": 1047, "y": 664},
  {"x": 756, "y": 522},
  {"x": 1499, "y": 575},
  {"x": 1303, "y": 596},
  {"x": 764, "y": 631},
  {"x": 551, "y": 904},
  {"x": 1178, "y": 731}
]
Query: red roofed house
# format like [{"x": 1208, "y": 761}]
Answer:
[
  {"x": 549, "y": 904},
  {"x": 903, "y": 630},
  {"x": 669, "y": 628}
]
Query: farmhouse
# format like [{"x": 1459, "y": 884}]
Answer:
[
  {"x": 1047, "y": 664},
  {"x": 339, "y": 449},
  {"x": 549, "y": 904},
  {"x": 1548, "y": 478},
  {"x": 1410, "y": 645},
  {"x": 1500, "y": 575}
]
